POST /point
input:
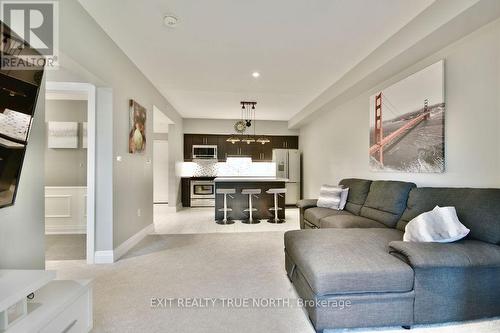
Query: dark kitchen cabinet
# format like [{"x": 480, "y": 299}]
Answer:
[
  {"x": 191, "y": 140},
  {"x": 204, "y": 139},
  {"x": 257, "y": 151},
  {"x": 292, "y": 142},
  {"x": 188, "y": 144},
  {"x": 228, "y": 149},
  {"x": 262, "y": 153},
  {"x": 267, "y": 152},
  {"x": 246, "y": 150},
  {"x": 285, "y": 142},
  {"x": 186, "y": 192},
  {"x": 221, "y": 147}
]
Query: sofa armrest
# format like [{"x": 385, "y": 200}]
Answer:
[
  {"x": 303, "y": 205},
  {"x": 466, "y": 253},
  {"x": 307, "y": 203}
]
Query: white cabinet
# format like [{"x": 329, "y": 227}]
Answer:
[
  {"x": 77, "y": 316},
  {"x": 57, "y": 306}
]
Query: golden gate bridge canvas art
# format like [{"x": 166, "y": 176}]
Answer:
[{"x": 407, "y": 124}]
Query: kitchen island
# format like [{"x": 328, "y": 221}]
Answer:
[{"x": 239, "y": 202}]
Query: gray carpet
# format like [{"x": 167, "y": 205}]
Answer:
[
  {"x": 236, "y": 265},
  {"x": 65, "y": 247}
]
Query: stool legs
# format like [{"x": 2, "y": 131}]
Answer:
[
  {"x": 225, "y": 208},
  {"x": 276, "y": 219},
  {"x": 250, "y": 210},
  {"x": 225, "y": 221}
]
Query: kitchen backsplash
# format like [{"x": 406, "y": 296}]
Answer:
[
  {"x": 234, "y": 167},
  {"x": 205, "y": 168}
]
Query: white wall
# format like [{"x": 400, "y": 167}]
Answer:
[
  {"x": 160, "y": 171},
  {"x": 89, "y": 55},
  {"x": 335, "y": 143},
  {"x": 226, "y": 126},
  {"x": 66, "y": 167},
  {"x": 65, "y": 209}
]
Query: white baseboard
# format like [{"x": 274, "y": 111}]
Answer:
[
  {"x": 109, "y": 257},
  {"x": 65, "y": 229},
  {"x": 132, "y": 241},
  {"x": 103, "y": 257}
]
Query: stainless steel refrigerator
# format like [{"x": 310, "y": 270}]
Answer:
[{"x": 288, "y": 166}]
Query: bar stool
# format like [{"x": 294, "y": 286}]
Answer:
[
  {"x": 276, "y": 192},
  {"x": 251, "y": 192},
  {"x": 225, "y": 209}
]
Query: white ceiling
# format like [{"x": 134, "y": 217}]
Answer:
[{"x": 204, "y": 66}]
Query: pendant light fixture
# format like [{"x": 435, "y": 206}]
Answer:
[
  {"x": 233, "y": 139},
  {"x": 248, "y": 140},
  {"x": 263, "y": 140},
  {"x": 247, "y": 119}
]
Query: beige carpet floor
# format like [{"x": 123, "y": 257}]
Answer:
[
  {"x": 65, "y": 247},
  {"x": 235, "y": 265}
]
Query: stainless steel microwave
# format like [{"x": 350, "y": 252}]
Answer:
[{"x": 205, "y": 151}]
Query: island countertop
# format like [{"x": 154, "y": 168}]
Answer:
[{"x": 250, "y": 179}]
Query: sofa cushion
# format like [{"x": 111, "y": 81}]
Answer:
[
  {"x": 349, "y": 221},
  {"x": 313, "y": 215},
  {"x": 336, "y": 261},
  {"x": 477, "y": 209},
  {"x": 330, "y": 197},
  {"x": 358, "y": 190},
  {"x": 386, "y": 201}
]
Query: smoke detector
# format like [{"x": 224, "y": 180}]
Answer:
[{"x": 170, "y": 20}]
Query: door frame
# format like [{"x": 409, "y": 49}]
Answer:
[{"x": 88, "y": 90}]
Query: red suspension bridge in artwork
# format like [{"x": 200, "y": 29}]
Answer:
[{"x": 380, "y": 142}]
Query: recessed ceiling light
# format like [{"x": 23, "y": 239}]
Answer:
[
  {"x": 170, "y": 20},
  {"x": 255, "y": 74}
]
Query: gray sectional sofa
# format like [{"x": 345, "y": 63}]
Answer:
[{"x": 353, "y": 269}]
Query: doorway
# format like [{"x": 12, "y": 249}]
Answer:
[
  {"x": 70, "y": 171},
  {"x": 161, "y": 172}
]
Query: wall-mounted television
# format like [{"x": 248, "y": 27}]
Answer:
[{"x": 19, "y": 88}]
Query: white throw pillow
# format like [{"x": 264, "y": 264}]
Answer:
[
  {"x": 343, "y": 198},
  {"x": 439, "y": 225},
  {"x": 330, "y": 196}
]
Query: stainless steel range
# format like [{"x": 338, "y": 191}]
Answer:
[{"x": 202, "y": 193}]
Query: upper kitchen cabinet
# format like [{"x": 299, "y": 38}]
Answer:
[
  {"x": 238, "y": 149},
  {"x": 188, "y": 145},
  {"x": 191, "y": 140},
  {"x": 262, "y": 153},
  {"x": 221, "y": 147},
  {"x": 225, "y": 149},
  {"x": 204, "y": 139},
  {"x": 285, "y": 142}
]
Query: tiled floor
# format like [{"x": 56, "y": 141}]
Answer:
[{"x": 201, "y": 220}]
